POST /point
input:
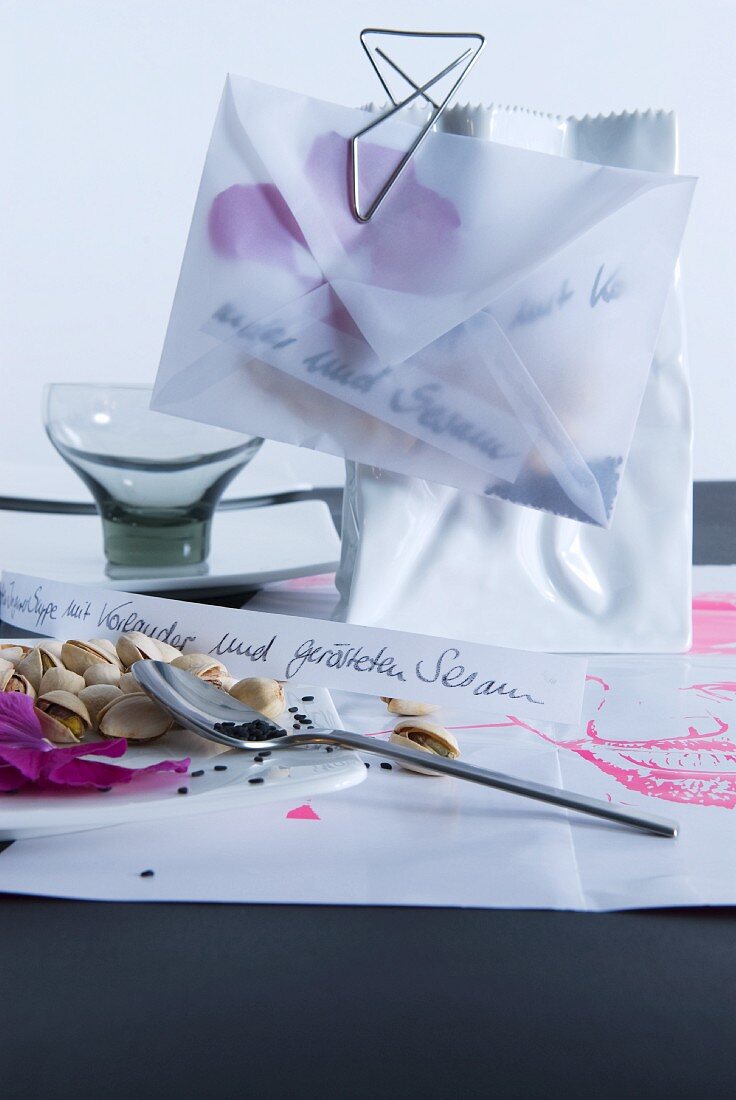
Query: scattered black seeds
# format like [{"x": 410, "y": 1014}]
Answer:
[
  {"x": 301, "y": 718},
  {"x": 296, "y": 726},
  {"x": 307, "y": 698},
  {"x": 366, "y": 764},
  {"x": 293, "y": 710},
  {"x": 388, "y": 767},
  {"x": 220, "y": 767},
  {"x": 258, "y": 759},
  {"x": 196, "y": 775},
  {"x": 147, "y": 874},
  {"x": 183, "y": 790},
  {"x": 257, "y": 730},
  {"x": 256, "y": 779},
  {"x": 264, "y": 753}
]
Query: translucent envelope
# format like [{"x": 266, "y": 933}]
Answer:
[{"x": 490, "y": 328}]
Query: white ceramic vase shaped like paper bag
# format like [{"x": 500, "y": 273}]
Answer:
[
  {"x": 415, "y": 341},
  {"x": 425, "y": 557}
]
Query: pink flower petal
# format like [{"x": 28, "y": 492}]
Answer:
[
  {"x": 26, "y": 758},
  {"x": 19, "y": 722}
]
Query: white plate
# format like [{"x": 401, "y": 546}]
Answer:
[
  {"x": 291, "y": 775},
  {"x": 249, "y": 548},
  {"x": 277, "y": 468}
]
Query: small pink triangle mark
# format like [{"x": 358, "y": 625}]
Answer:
[{"x": 304, "y": 813}]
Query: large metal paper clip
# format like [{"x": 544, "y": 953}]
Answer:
[{"x": 379, "y": 59}]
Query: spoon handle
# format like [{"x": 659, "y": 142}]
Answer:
[{"x": 660, "y": 826}]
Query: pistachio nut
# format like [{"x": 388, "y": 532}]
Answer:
[
  {"x": 134, "y": 717},
  {"x": 35, "y": 663},
  {"x": 78, "y": 656},
  {"x": 404, "y": 706},
  {"x": 427, "y": 737},
  {"x": 14, "y": 653},
  {"x": 60, "y": 679},
  {"x": 12, "y": 680},
  {"x": 97, "y": 696},
  {"x": 206, "y": 668},
  {"x": 135, "y": 646},
  {"x": 128, "y": 684},
  {"x": 102, "y": 674},
  {"x": 63, "y": 716},
  {"x": 262, "y": 694},
  {"x": 52, "y": 645},
  {"x": 169, "y": 653}
]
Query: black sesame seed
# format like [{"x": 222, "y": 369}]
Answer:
[
  {"x": 220, "y": 767},
  {"x": 104, "y": 788},
  {"x": 147, "y": 874},
  {"x": 366, "y": 764},
  {"x": 296, "y": 726},
  {"x": 330, "y": 748},
  {"x": 196, "y": 775},
  {"x": 301, "y": 718},
  {"x": 256, "y": 779},
  {"x": 307, "y": 698},
  {"x": 183, "y": 790},
  {"x": 388, "y": 767},
  {"x": 264, "y": 753},
  {"x": 258, "y": 759},
  {"x": 293, "y": 710}
]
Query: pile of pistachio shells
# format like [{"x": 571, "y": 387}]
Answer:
[{"x": 80, "y": 687}]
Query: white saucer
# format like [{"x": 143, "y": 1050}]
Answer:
[
  {"x": 250, "y": 547},
  {"x": 290, "y": 775}
]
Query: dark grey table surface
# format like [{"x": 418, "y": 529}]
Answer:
[{"x": 128, "y": 1000}]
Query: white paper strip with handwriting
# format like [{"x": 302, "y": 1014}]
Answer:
[{"x": 369, "y": 660}]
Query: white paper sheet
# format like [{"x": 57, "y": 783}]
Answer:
[
  {"x": 407, "y": 839},
  {"x": 663, "y": 737}
]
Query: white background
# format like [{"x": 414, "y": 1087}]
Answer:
[{"x": 106, "y": 108}]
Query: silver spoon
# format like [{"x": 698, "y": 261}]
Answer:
[{"x": 214, "y": 714}]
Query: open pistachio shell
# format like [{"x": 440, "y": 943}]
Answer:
[
  {"x": 35, "y": 663},
  {"x": 427, "y": 737},
  {"x": 60, "y": 679},
  {"x": 97, "y": 696},
  {"x": 128, "y": 684},
  {"x": 78, "y": 656},
  {"x": 14, "y": 653},
  {"x": 262, "y": 694},
  {"x": 64, "y": 718},
  {"x": 12, "y": 680},
  {"x": 134, "y": 717},
  {"x": 102, "y": 674},
  {"x": 405, "y": 706},
  {"x": 206, "y": 668},
  {"x": 135, "y": 646},
  {"x": 169, "y": 653}
]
